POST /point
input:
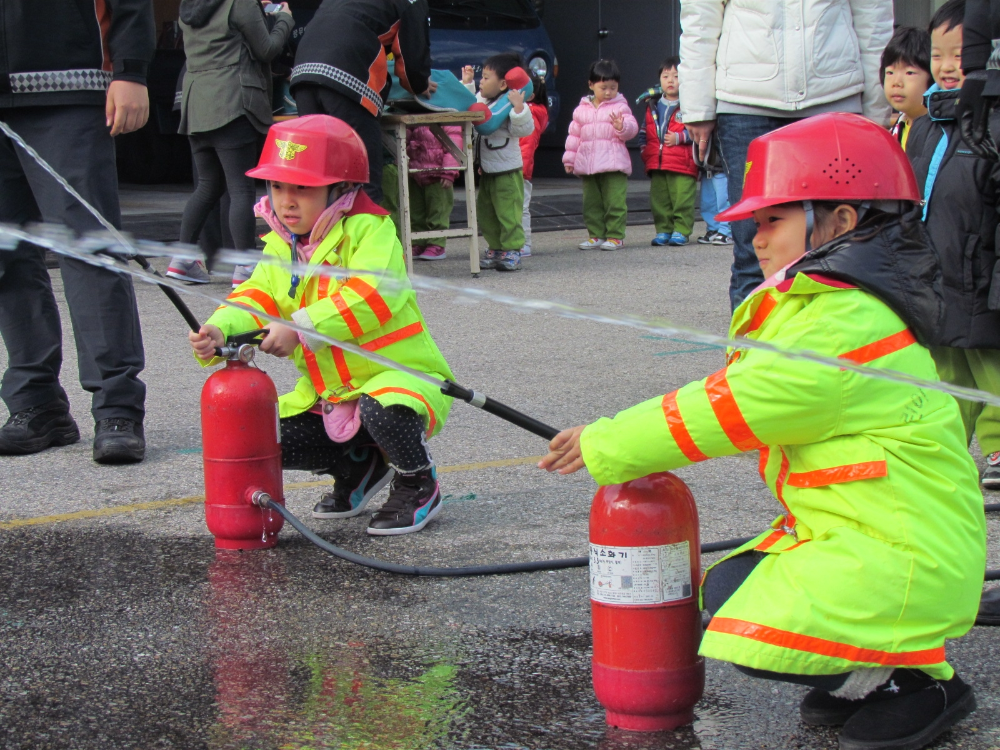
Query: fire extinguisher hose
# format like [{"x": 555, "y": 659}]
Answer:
[{"x": 478, "y": 570}]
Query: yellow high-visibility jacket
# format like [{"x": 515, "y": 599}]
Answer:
[
  {"x": 364, "y": 310},
  {"x": 879, "y": 553}
]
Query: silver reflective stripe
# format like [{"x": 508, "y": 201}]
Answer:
[
  {"x": 340, "y": 76},
  {"x": 478, "y": 400},
  {"x": 47, "y": 81}
]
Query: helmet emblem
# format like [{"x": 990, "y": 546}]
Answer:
[
  {"x": 746, "y": 169},
  {"x": 287, "y": 150}
]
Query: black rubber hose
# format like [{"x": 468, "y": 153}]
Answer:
[{"x": 498, "y": 409}]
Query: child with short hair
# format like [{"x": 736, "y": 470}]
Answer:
[
  {"x": 538, "y": 103},
  {"x": 349, "y": 417},
  {"x": 500, "y": 200},
  {"x": 432, "y": 194},
  {"x": 878, "y": 556},
  {"x": 961, "y": 202},
  {"x": 906, "y": 75},
  {"x": 666, "y": 151},
  {"x": 596, "y": 152}
]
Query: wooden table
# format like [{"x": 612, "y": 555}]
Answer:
[{"x": 394, "y": 137}]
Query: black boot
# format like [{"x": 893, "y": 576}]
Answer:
[
  {"x": 989, "y": 608},
  {"x": 38, "y": 428},
  {"x": 921, "y": 710},
  {"x": 358, "y": 477},
  {"x": 119, "y": 441}
]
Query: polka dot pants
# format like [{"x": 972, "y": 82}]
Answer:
[{"x": 398, "y": 430}]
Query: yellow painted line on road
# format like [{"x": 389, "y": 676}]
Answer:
[{"x": 178, "y": 501}]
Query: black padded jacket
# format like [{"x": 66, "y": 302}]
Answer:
[
  {"x": 58, "y": 52},
  {"x": 962, "y": 222}
]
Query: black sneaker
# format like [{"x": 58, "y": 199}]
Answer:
[
  {"x": 821, "y": 709},
  {"x": 119, "y": 440},
  {"x": 706, "y": 239},
  {"x": 362, "y": 473},
  {"x": 991, "y": 477},
  {"x": 414, "y": 499},
  {"x": 38, "y": 428},
  {"x": 910, "y": 720}
]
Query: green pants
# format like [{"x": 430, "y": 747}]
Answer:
[
  {"x": 974, "y": 368},
  {"x": 430, "y": 210},
  {"x": 671, "y": 199},
  {"x": 604, "y": 209},
  {"x": 390, "y": 195},
  {"x": 499, "y": 204}
]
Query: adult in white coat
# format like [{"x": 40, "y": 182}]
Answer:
[{"x": 749, "y": 67}]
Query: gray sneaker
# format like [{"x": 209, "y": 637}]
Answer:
[
  {"x": 191, "y": 271},
  {"x": 489, "y": 260},
  {"x": 241, "y": 274}
]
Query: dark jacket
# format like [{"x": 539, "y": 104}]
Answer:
[
  {"x": 58, "y": 52},
  {"x": 229, "y": 50},
  {"x": 344, "y": 47},
  {"x": 891, "y": 258},
  {"x": 962, "y": 222}
]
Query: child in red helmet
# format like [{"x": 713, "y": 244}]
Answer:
[
  {"x": 348, "y": 417},
  {"x": 878, "y": 555}
]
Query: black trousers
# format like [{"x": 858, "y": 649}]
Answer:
[
  {"x": 313, "y": 99},
  {"x": 222, "y": 158},
  {"x": 721, "y": 583},
  {"x": 75, "y": 141}
]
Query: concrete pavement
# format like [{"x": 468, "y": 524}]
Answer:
[{"x": 122, "y": 627}]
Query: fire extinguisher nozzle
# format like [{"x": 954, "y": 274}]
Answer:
[{"x": 259, "y": 498}]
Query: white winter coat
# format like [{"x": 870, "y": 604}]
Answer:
[{"x": 782, "y": 54}]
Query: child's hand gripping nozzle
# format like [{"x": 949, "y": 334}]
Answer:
[{"x": 241, "y": 449}]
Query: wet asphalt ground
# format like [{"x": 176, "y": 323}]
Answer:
[{"x": 121, "y": 626}]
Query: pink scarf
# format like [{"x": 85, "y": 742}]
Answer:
[{"x": 326, "y": 221}]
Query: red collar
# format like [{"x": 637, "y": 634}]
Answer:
[{"x": 365, "y": 205}]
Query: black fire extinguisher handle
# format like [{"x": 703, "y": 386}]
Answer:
[{"x": 499, "y": 409}]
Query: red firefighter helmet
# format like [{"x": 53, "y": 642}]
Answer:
[
  {"x": 831, "y": 157},
  {"x": 312, "y": 150}
]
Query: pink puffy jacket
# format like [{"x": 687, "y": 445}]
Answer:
[
  {"x": 426, "y": 152},
  {"x": 593, "y": 145}
]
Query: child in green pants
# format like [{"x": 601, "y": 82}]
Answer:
[
  {"x": 595, "y": 150},
  {"x": 667, "y": 154},
  {"x": 432, "y": 194},
  {"x": 500, "y": 200}
]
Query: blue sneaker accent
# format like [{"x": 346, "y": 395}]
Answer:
[
  {"x": 677, "y": 239},
  {"x": 661, "y": 239}
]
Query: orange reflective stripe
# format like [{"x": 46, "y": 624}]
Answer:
[
  {"x": 773, "y": 538},
  {"x": 314, "y": 372},
  {"x": 679, "y": 431},
  {"x": 823, "y": 647},
  {"x": 340, "y": 362},
  {"x": 881, "y": 348},
  {"x": 779, "y": 488},
  {"x": 391, "y": 338},
  {"x": 765, "y": 455},
  {"x": 347, "y": 314},
  {"x": 727, "y": 411},
  {"x": 430, "y": 412},
  {"x": 766, "y": 306},
  {"x": 258, "y": 296},
  {"x": 838, "y": 474},
  {"x": 371, "y": 297},
  {"x": 323, "y": 288}
]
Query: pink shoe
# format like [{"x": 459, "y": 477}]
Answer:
[{"x": 432, "y": 252}]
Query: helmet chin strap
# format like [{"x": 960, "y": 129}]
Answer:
[{"x": 810, "y": 223}]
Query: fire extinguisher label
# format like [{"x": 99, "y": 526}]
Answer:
[{"x": 640, "y": 575}]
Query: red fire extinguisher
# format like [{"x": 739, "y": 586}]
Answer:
[
  {"x": 242, "y": 453},
  {"x": 645, "y": 568}
]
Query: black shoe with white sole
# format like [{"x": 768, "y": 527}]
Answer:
[
  {"x": 414, "y": 499},
  {"x": 357, "y": 479},
  {"x": 991, "y": 477},
  {"x": 910, "y": 720}
]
